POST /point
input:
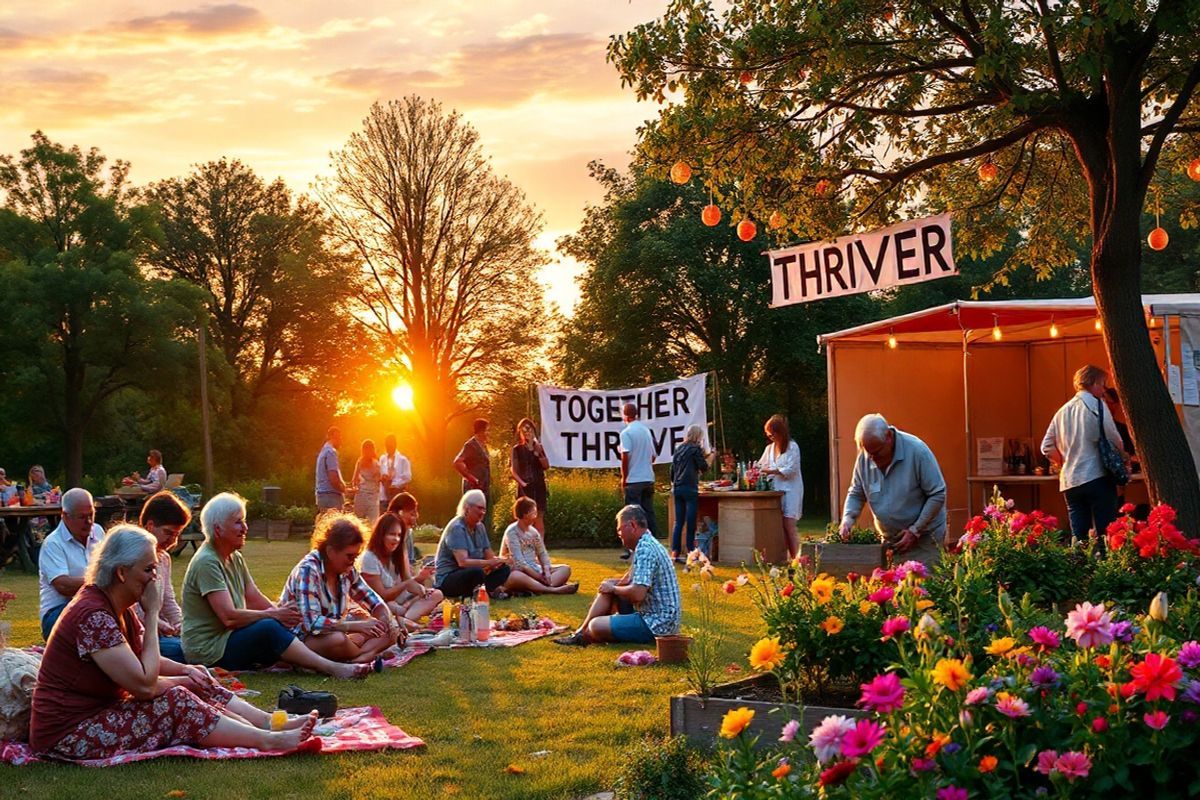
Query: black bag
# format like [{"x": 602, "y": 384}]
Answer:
[
  {"x": 295, "y": 700},
  {"x": 1111, "y": 460}
]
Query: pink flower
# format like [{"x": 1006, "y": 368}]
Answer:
[
  {"x": 882, "y": 595},
  {"x": 1156, "y": 719},
  {"x": 789, "y": 731},
  {"x": 1046, "y": 761},
  {"x": 1099, "y": 725},
  {"x": 911, "y": 568},
  {"x": 826, "y": 738},
  {"x": 865, "y": 737},
  {"x": 923, "y": 764},
  {"x": 1044, "y": 638},
  {"x": 1090, "y": 626},
  {"x": 1189, "y": 655},
  {"x": 976, "y": 696},
  {"x": 1157, "y": 676},
  {"x": 883, "y": 576},
  {"x": 951, "y": 793},
  {"x": 894, "y": 626},
  {"x": 883, "y": 695},
  {"x": 1011, "y": 706},
  {"x": 1071, "y": 765}
]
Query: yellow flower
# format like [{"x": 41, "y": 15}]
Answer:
[
  {"x": 999, "y": 647},
  {"x": 866, "y": 607},
  {"x": 846, "y": 589},
  {"x": 832, "y": 625},
  {"x": 766, "y": 654},
  {"x": 735, "y": 722},
  {"x": 822, "y": 589},
  {"x": 951, "y": 673},
  {"x": 924, "y": 605}
]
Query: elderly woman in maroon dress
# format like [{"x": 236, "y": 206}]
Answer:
[{"x": 103, "y": 689}]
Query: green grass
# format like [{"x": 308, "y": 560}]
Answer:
[{"x": 478, "y": 711}]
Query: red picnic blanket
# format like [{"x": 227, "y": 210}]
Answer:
[{"x": 351, "y": 729}]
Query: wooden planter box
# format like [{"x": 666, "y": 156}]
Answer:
[
  {"x": 278, "y": 529},
  {"x": 257, "y": 529},
  {"x": 699, "y": 718},
  {"x": 839, "y": 559}
]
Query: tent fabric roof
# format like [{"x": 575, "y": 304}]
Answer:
[{"x": 1020, "y": 320}]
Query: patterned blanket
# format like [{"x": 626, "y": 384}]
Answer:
[
  {"x": 352, "y": 729},
  {"x": 502, "y": 638}
]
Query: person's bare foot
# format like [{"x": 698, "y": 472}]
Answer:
[
  {"x": 305, "y": 722},
  {"x": 288, "y": 740},
  {"x": 569, "y": 588}
]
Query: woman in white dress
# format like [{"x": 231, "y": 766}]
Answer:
[
  {"x": 368, "y": 480},
  {"x": 781, "y": 463}
]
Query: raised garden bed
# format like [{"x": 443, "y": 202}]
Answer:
[{"x": 839, "y": 559}]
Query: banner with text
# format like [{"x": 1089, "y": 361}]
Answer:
[
  {"x": 910, "y": 252},
  {"x": 582, "y": 427}
]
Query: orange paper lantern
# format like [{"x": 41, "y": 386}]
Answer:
[
  {"x": 711, "y": 215},
  {"x": 1158, "y": 239},
  {"x": 746, "y": 77},
  {"x": 1193, "y": 169},
  {"x": 987, "y": 171},
  {"x": 681, "y": 172},
  {"x": 746, "y": 229},
  {"x": 776, "y": 221}
]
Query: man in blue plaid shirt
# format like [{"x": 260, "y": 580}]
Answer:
[{"x": 641, "y": 604}]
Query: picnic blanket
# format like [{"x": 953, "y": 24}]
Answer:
[
  {"x": 501, "y": 638},
  {"x": 363, "y": 728},
  {"x": 393, "y": 657}
]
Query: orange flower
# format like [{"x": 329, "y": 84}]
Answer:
[
  {"x": 936, "y": 744},
  {"x": 987, "y": 764},
  {"x": 866, "y": 607},
  {"x": 832, "y": 625},
  {"x": 766, "y": 654},
  {"x": 781, "y": 771},
  {"x": 951, "y": 673},
  {"x": 999, "y": 647},
  {"x": 735, "y": 722},
  {"x": 822, "y": 589}
]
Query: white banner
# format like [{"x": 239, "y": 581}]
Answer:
[
  {"x": 582, "y": 427},
  {"x": 910, "y": 252}
]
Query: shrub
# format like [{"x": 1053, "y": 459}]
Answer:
[
  {"x": 1145, "y": 558},
  {"x": 857, "y": 535},
  {"x": 662, "y": 769}
]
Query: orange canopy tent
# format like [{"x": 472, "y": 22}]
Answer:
[{"x": 942, "y": 375}]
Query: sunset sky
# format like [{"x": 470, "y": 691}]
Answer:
[{"x": 281, "y": 84}]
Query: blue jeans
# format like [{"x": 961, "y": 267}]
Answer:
[
  {"x": 642, "y": 494},
  {"x": 259, "y": 644},
  {"x": 171, "y": 647},
  {"x": 687, "y": 502},
  {"x": 1091, "y": 505},
  {"x": 48, "y": 620}
]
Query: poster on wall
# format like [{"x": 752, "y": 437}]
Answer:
[
  {"x": 582, "y": 427},
  {"x": 910, "y": 252}
]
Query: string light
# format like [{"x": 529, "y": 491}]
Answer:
[
  {"x": 1053, "y": 329},
  {"x": 891, "y": 339},
  {"x": 996, "y": 334},
  {"x": 1099, "y": 325}
]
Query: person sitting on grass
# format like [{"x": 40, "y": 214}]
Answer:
[
  {"x": 464, "y": 556},
  {"x": 227, "y": 621},
  {"x": 165, "y": 516},
  {"x": 65, "y": 554},
  {"x": 103, "y": 689},
  {"x": 324, "y": 586},
  {"x": 643, "y": 603},
  {"x": 532, "y": 571},
  {"x": 384, "y": 566}
]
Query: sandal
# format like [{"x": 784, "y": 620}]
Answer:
[{"x": 499, "y": 594}]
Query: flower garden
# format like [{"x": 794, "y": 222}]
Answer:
[{"x": 1016, "y": 667}]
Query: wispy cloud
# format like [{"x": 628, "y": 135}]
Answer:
[{"x": 212, "y": 20}]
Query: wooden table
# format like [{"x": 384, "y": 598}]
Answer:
[
  {"x": 1033, "y": 482},
  {"x": 746, "y": 522},
  {"x": 21, "y": 542}
]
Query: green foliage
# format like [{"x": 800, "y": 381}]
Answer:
[
  {"x": 704, "y": 655},
  {"x": 662, "y": 769},
  {"x": 858, "y": 535}
]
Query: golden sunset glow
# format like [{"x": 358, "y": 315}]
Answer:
[{"x": 402, "y": 396}]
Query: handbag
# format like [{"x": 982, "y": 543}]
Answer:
[
  {"x": 1110, "y": 459},
  {"x": 295, "y": 700}
]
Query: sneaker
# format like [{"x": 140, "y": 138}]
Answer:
[
  {"x": 625, "y": 556},
  {"x": 573, "y": 640}
]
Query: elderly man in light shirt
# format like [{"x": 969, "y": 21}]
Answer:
[
  {"x": 1072, "y": 444},
  {"x": 898, "y": 475},
  {"x": 65, "y": 554}
]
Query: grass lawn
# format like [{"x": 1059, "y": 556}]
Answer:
[{"x": 478, "y": 711}]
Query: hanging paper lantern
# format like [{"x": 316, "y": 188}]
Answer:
[
  {"x": 987, "y": 171},
  {"x": 681, "y": 172},
  {"x": 776, "y": 221},
  {"x": 822, "y": 187},
  {"x": 746, "y": 229},
  {"x": 711, "y": 215},
  {"x": 1158, "y": 239},
  {"x": 746, "y": 77},
  {"x": 1193, "y": 169},
  {"x": 889, "y": 14}
]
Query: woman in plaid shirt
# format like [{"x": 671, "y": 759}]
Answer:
[{"x": 322, "y": 587}]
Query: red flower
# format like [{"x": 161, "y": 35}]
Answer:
[
  {"x": 976, "y": 525},
  {"x": 1127, "y": 508},
  {"x": 787, "y": 590},
  {"x": 1156, "y": 676},
  {"x": 1099, "y": 725},
  {"x": 838, "y": 773}
]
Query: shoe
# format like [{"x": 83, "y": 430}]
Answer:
[
  {"x": 625, "y": 556},
  {"x": 679, "y": 560},
  {"x": 499, "y": 594},
  {"x": 574, "y": 640}
]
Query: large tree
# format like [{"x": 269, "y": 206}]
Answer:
[
  {"x": 878, "y": 109},
  {"x": 82, "y": 323},
  {"x": 446, "y": 246}
]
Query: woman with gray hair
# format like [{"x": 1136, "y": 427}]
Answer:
[
  {"x": 227, "y": 621},
  {"x": 687, "y": 463},
  {"x": 464, "y": 556},
  {"x": 103, "y": 689}
]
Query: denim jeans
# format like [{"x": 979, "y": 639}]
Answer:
[
  {"x": 259, "y": 644},
  {"x": 642, "y": 494},
  {"x": 687, "y": 502},
  {"x": 1092, "y": 504}
]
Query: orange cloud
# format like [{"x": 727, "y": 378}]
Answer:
[{"x": 212, "y": 20}]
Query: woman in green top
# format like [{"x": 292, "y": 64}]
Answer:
[{"x": 227, "y": 621}]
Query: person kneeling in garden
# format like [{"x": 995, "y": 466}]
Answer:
[
  {"x": 323, "y": 587},
  {"x": 103, "y": 689},
  {"x": 641, "y": 604}
]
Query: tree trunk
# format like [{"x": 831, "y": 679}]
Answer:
[{"x": 74, "y": 376}]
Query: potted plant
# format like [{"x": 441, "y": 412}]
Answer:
[{"x": 839, "y": 559}]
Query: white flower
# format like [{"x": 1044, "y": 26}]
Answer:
[
  {"x": 775, "y": 573},
  {"x": 1158, "y": 607},
  {"x": 826, "y": 738},
  {"x": 743, "y": 579}
]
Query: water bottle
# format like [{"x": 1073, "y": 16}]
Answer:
[{"x": 483, "y": 624}]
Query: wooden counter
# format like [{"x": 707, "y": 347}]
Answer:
[{"x": 746, "y": 522}]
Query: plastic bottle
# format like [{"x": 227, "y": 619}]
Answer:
[
  {"x": 483, "y": 624},
  {"x": 465, "y": 634}
]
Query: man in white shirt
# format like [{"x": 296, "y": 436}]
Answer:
[
  {"x": 637, "y": 466},
  {"x": 1072, "y": 443},
  {"x": 397, "y": 471},
  {"x": 65, "y": 554}
]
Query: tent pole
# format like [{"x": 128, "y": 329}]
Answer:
[{"x": 967, "y": 422}]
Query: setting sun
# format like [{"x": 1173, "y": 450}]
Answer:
[{"x": 402, "y": 396}]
